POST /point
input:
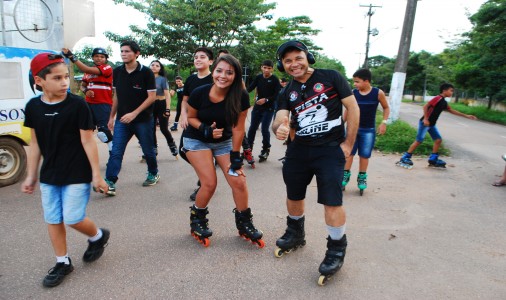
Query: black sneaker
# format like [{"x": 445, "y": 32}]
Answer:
[
  {"x": 57, "y": 273},
  {"x": 96, "y": 249}
]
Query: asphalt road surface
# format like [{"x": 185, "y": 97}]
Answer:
[{"x": 414, "y": 234}]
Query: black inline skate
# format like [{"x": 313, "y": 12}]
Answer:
[
  {"x": 199, "y": 225},
  {"x": 244, "y": 223},
  {"x": 435, "y": 162},
  {"x": 293, "y": 237},
  {"x": 334, "y": 259},
  {"x": 264, "y": 154},
  {"x": 173, "y": 149}
]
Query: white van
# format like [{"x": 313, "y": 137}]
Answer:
[{"x": 16, "y": 88}]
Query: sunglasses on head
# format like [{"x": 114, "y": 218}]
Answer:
[{"x": 54, "y": 56}]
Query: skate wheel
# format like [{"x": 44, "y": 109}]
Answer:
[
  {"x": 278, "y": 252},
  {"x": 260, "y": 243},
  {"x": 322, "y": 280},
  {"x": 205, "y": 242},
  {"x": 252, "y": 166},
  {"x": 361, "y": 192},
  {"x": 344, "y": 188}
]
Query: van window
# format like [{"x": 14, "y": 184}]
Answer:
[{"x": 11, "y": 81}]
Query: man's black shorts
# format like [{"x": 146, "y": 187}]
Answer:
[{"x": 302, "y": 162}]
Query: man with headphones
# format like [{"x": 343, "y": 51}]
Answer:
[
  {"x": 96, "y": 85},
  {"x": 310, "y": 111}
]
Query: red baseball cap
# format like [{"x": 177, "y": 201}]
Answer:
[{"x": 42, "y": 60}]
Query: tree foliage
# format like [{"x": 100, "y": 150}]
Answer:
[
  {"x": 176, "y": 28},
  {"x": 482, "y": 65}
]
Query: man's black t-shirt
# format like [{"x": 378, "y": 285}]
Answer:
[
  {"x": 209, "y": 112},
  {"x": 57, "y": 128},
  {"x": 266, "y": 88},
  {"x": 132, "y": 90},
  {"x": 316, "y": 107},
  {"x": 194, "y": 82}
]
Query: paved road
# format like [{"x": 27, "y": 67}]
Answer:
[
  {"x": 466, "y": 138},
  {"x": 418, "y": 234}
]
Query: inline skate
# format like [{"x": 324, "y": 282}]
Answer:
[
  {"x": 244, "y": 224},
  {"x": 293, "y": 237},
  {"x": 334, "y": 259},
  {"x": 199, "y": 225},
  {"x": 346, "y": 178},
  {"x": 264, "y": 154},
  {"x": 362, "y": 182},
  {"x": 248, "y": 156},
  {"x": 435, "y": 162},
  {"x": 405, "y": 161}
]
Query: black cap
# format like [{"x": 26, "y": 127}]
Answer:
[{"x": 290, "y": 44}]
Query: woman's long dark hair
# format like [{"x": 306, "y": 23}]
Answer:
[
  {"x": 233, "y": 105},
  {"x": 162, "y": 68}
]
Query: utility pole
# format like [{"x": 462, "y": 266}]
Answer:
[
  {"x": 401, "y": 63},
  {"x": 369, "y": 32}
]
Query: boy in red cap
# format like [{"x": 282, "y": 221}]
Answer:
[{"x": 62, "y": 133}]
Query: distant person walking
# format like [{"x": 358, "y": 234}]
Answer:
[
  {"x": 132, "y": 114},
  {"x": 161, "y": 107},
  {"x": 97, "y": 87}
]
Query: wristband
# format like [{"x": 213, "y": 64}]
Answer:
[
  {"x": 384, "y": 121},
  {"x": 235, "y": 160}
]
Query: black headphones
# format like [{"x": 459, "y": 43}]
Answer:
[{"x": 292, "y": 44}]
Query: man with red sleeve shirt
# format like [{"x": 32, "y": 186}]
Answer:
[{"x": 97, "y": 87}]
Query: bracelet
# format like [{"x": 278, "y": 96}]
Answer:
[{"x": 384, "y": 121}]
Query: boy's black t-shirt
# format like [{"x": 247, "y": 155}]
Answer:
[
  {"x": 316, "y": 107},
  {"x": 266, "y": 88},
  {"x": 132, "y": 90},
  {"x": 193, "y": 82},
  {"x": 57, "y": 128},
  {"x": 179, "y": 93},
  {"x": 209, "y": 112},
  {"x": 436, "y": 107}
]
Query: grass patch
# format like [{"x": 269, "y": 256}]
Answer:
[
  {"x": 481, "y": 112},
  {"x": 399, "y": 136}
]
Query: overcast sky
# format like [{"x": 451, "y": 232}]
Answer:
[{"x": 343, "y": 25}]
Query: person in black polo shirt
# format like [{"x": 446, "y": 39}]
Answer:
[
  {"x": 132, "y": 114},
  {"x": 267, "y": 88},
  {"x": 313, "y": 102}
]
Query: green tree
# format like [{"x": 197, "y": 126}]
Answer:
[
  {"x": 175, "y": 28},
  {"x": 258, "y": 45},
  {"x": 483, "y": 67},
  {"x": 382, "y": 69}
]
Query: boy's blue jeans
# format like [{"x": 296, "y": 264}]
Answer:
[{"x": 122, "y": 135}]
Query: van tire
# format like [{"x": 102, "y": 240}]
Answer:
[{"x": 12, "y": 161}]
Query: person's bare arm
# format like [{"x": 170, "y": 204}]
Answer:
[
  {"x": 458, "y": 113},
  {"x": 353, "y": 116},
  {"x": 281, "y": 124},
  {"x": 386, "y": 112},
  {"x": 114, "y": 110},
  {"x": 90, "y": 147},
  {"x": 34, "y": 156},
  {"x": 183, "y": 117}
]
